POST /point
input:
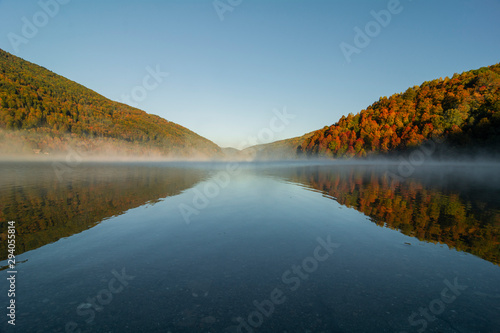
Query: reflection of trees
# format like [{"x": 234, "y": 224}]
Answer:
[
  {"x": 46, "y": 209},
  {"x": 452, "y": 216}
]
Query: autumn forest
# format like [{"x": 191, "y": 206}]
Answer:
[{"x": 40, "y": 110}]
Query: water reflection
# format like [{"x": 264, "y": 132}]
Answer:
[
  {"x": 456, "y": 206},
  {"x": 247, "y": 241},
  {"x": 48, "y": 206}
]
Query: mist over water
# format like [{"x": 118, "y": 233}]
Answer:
[
  {"x": 342, "y": 207},
  {"x": 207, "y": 241}
]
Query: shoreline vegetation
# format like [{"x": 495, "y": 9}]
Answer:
[
  {"x": 42, "y": 145},
  {"x": 45, "y": 114}
]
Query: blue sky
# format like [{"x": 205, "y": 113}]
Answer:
[{"x": 225, "y": 77}]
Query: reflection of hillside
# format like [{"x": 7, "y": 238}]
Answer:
[
  {"x": 459, "y": 212},
  {"x": 46, "y": 209}
]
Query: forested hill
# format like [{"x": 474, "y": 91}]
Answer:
[
  {"x": 463, "y": 111},
  {"x": 44, "y": 111}
]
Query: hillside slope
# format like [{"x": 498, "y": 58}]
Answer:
[
  {"x": 463, "y": 112},
  {"x": 278, "y": 150},
  {"x": 52, "y": 111}
]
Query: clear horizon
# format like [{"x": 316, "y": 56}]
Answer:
[{"x": 226, "y": 69}]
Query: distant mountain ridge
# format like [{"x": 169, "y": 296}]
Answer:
[
  {"x": 43, "y": 111},
  {"x": 463, "y": 112},
  {"x": 278, "y": 150}
]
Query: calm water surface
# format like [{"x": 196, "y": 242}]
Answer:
[{"x": 252, "y": 248}]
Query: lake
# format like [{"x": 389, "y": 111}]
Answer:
[{"x": 252, "y": 247}]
